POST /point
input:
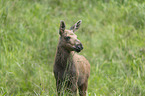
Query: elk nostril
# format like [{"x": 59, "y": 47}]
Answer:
[{"x": 79, "y": 46}]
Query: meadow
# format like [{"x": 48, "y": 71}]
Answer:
[{"x": 112, "y": 33}]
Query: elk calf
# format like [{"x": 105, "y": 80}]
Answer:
[{"x": 71, "y": 70}]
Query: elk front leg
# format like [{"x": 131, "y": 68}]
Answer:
[
  {"x": 59, "y": 87},
  {"x": 83, "y": 89},
  {"x": 72, "y": 86}
]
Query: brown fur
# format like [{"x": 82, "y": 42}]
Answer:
[{"x": 70, "y": 69}]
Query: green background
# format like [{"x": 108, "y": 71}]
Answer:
[{"x": 112, "y": 33}]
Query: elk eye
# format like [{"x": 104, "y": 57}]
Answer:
[{"x": 67, "y": 38}]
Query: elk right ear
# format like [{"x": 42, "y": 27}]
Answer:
[
  {"x": 62, "y": 27},
  {"x": 76, "y": 26}
]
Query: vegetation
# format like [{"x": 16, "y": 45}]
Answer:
[{"x": 112, "y": 33}]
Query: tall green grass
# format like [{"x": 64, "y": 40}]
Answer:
[{"x": 112, "y": 33}]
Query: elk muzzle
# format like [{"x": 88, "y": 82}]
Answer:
[{"x": 78, "y": 47}]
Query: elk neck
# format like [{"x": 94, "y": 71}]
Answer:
[{"x": 63, "y": 57}]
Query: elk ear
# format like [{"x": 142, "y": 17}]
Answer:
[
  {"x": 62, "y": 27},
  {"x": 76, "y": 26}
]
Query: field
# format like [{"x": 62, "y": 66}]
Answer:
[{"x": 112, "y": 33}]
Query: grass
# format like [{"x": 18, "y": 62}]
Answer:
[{"x": 112, "y": 33}]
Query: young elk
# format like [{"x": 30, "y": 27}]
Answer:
[{"x": 71, "y": 70}]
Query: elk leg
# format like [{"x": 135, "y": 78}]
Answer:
[
  {"x": 59, "y": 87},
  {"x": 83, "y": 89},
  {"x": 72, "y": 87}
]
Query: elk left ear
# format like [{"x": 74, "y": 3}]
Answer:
[
  {"x": 76, "y": 26},
  {"x": 62, "y": 27}
]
